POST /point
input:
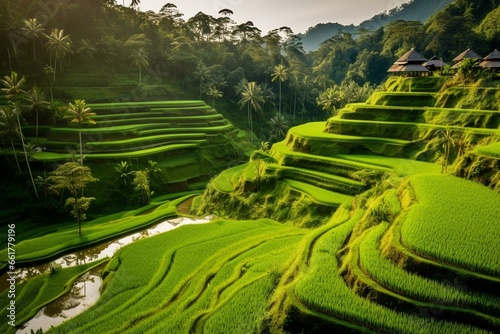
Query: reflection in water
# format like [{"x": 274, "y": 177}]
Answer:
[
  {"x": 84, "y": 294},
  {"x": 97, "y": 252},
  {"x": 85, "y": 291}
]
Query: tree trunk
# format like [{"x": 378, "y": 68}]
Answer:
[
  {"x": 15, "y": 155},
  {"x": 26, "y": 154},
  {"x": 81, "y": 147}
]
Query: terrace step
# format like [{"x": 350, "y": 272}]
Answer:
[
  {"x": 397, "y": 130},
  {"x": 321, "y": 180},
  {"x": 319, "y": 194},
  {"x": 332, "y": 165},
  {"x": 311, "y": 138}
]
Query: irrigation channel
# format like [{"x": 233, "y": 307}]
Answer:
[{"x": 86, "y": 289}]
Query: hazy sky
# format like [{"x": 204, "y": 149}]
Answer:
[{"x": 271, "y": 14}]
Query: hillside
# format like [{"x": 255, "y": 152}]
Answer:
[
  {"x": 415, "y": 10},
  {"x": 358, "y": 249},
  {"x": 373, "y": 181}
]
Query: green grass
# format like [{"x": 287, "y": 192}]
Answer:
[
  {"x": 195, "y": 276},
  {"x": 320, "y": 195},
  {"x": 403, "y": 167},
  {"x": 408, "y": 284},
  {"x": 468, "y": 216},
  {"x": 34, "y": 294},
  {"x": 492, "y": 150},
  {"x": 50, "y": 242}
]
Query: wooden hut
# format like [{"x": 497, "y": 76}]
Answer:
[
  {"x": 410, "y": 64},
  {"x": 434, "y": 64},
  {"x": 467, "y": 54},
  {"x": 492, "y": 62}
]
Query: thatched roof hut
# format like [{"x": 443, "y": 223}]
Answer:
[
  {"x": 434, "y": 64},
  {"x": 467, "y": 54},
  {"x": 409, "y": 64},
  {"x": 492, "y": 61}
]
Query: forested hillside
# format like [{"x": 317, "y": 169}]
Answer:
[{"x": 414, "y": 10}]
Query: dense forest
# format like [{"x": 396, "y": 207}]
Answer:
[{"x": 59, "y": 42}]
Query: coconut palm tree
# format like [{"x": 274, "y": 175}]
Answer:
[
  {"x": 32, "y": 29},
  {"x": 202, "y": 73},
  {"x": 79, "y": 113},
  {"x": 251, "y": 96},
  {"x": 279, "y": 126},
  {"x": 36, "y": 103},
  {"x": 139, "y": 58},
  {"x": 9, "y": 129},
  {"x": 86, "y": 49},
  {"x": 214, "y": 93},
  {"x": 13, "y": 90},
  {"x": 58, "y": 45},
  {"x": 280, "y": 73}
]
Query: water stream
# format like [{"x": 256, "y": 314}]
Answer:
[{"x": 85, "y": 291}]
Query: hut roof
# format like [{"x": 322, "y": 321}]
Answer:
[
  {"x": 490, "y": 64},
  {"x": 434, "y": 62},
  {"x": 411, "y": 56},
  {"x": 408, "y": 68},
  {"x": 495, "y": 55},
  {"x": 467, "y": 54}
]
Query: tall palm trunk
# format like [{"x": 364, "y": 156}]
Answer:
[
  {"x": 81, "y": 147},
  {"x": 25, "y": 152},
  {"x": 15, "y": 155}
]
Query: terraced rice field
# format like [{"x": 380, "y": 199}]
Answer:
[{"x": 128, "y": 130}]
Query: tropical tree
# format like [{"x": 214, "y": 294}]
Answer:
[
  {"x": 32, "y": 29},
  {"x": 279, "y": 126},
  {"x": 280, "y": 73},
  {"x": 73, "y": 177},
  {"x": 86, "y": 49},
  {"x": 142, "y": 186},
  {"x": 36, "y": 103},
  {"x": 214, "y": 93},
  {"x": 122, "y": 168},
  {"x": 202, "y": 73},
  {"x": 448, "y": 141},
  {"x": 9, "y": 128},
  {"x": 13, "y": 91},
  {"x": 139, "y": 58},
  {"x": 58, "y": 45},
  {"x": 79, "y": 113},
  {"x": 252, "y": 97}
]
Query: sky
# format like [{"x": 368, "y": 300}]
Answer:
[{"x": 266, "y": 15}]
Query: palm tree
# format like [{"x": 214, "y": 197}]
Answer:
[
  {"x": 58, "y": 45},
  {"x": 13, "y": 91},
  {"x": 214, "y": 93},
  {"x": 139, "y": 58},
  {"x": 135, "y": 3},
  {"x": 9, "y": 129},
  {"x": 122, "y": 169},
  {"x": 202, "y": 73},
  {"x": 49, "y": 71},
  {"x": 36, "y": 102},
  {"x": 279, "y": 126},
  {"x": 449, "y": 140},
  {"x": 252, "y": 96},
  {"x": 280, "y": 73},
  {"x": 86, "y": 49},
  {"x": 79, "y": 113},
  {"x": 32, "y": 30}
]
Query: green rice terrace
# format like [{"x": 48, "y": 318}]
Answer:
[{"x": 382, "y": 219}]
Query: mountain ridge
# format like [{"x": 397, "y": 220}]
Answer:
[{"x": 414, "y": 10}]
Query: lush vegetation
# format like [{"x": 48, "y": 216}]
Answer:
[{"x": 383, "y": 218}]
